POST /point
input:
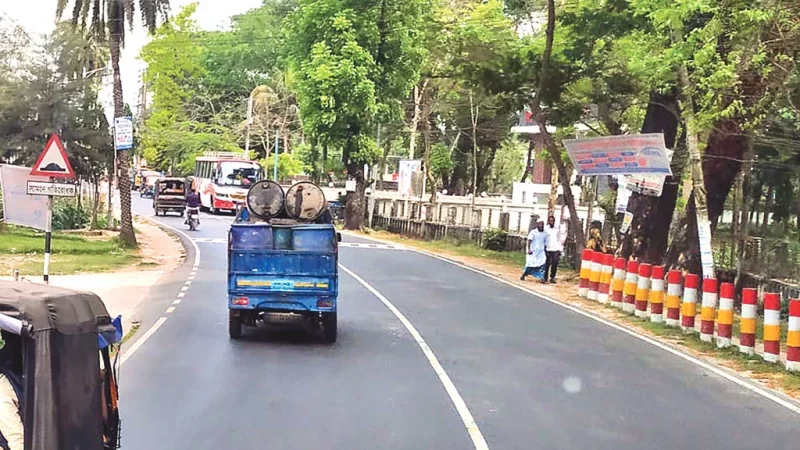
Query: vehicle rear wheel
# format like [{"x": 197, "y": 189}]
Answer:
[
  {"x": 234, "y": 325},
  {"x": 329, "y": 327}
]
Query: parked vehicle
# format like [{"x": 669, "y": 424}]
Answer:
[
  {"x": 58, "y": 344},
  {"x": 169, "y": 196}
]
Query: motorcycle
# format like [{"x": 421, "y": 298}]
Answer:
[{"x": 192, "y": 218}]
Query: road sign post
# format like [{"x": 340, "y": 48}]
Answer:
[{"x": 53, "y": 163}]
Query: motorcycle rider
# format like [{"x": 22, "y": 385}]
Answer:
[{"x": 192, "y": 202}]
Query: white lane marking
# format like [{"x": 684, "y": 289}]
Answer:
[
  {"x": 185, "y": 288},
  {"x": 210, "y": 240},
  {"x": 187, "y": 283},
  {"x": 140, "y": 342},
  {"x": 717, "y": 371},
  {"x": 191, "y": 277},
  {"x": 181, "y": 294},
  {"x": 176, "y": 302},
  {"x": 170, "y": 310},
  {"x": 466, "y": 416}
]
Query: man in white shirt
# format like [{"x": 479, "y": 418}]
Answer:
[
  {"x": 556, "y": 236},
  {"x": 536, "y": 257}
]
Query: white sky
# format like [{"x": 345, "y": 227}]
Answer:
[{"x": 37, "y": 18}]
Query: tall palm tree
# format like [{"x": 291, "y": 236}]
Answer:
[{"x": 107, "y": 24}]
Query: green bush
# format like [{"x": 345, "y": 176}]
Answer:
[
  {"x": 68, "y": 216},
  {"x": 494, "y": 239}
]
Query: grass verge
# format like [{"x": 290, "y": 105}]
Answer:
[{"x": 23, "y": 249}]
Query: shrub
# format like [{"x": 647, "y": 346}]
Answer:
[
  {"x": 68, "y": 216},
  {"x": 494, "y": 239}
]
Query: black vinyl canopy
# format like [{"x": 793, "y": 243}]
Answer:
[{"x": 62, "y": 406}]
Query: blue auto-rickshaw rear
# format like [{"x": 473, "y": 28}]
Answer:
[{"x": 283, "y": 274}]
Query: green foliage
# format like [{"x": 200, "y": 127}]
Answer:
[
  {"x": 288, "y": 166},
  {"x": 441, "y": 161},
  {"x": 494, "y": 239},
  {"x": 508, "y": 165},
  {"x": 68, "y": 216}
]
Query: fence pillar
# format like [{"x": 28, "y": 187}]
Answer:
[
  {"x": 689, "y": 307},
  {"x": 618, "y": 283},
  {"x": 772, "y": 327},
  {"x": 725, "y": 315},
  {"x": 747, "y": 324},
  {"x": 793, "y": 337},
  {"x": 594, "y": 276},
  {"x": 643, "y": 290},
  {"x": 708, "y": 310},
  {"x": 586, "y": 270},
  {"x": 631, "y": 277},
  {"x": 657, "y": 294},
  {"x": 606, "y": 269},
  {"x": 673, "y": 298}
]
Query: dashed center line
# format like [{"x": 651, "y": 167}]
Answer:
[{"x": 170, "y": 310}]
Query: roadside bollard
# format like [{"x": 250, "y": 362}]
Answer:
[
  {"x": 793, "y": 337},
  {"x": 747, "y": 325},
  {"x": 725, "y": 315},
  {"x": 618, "y": 283},
  {"x": 631, "y": 278},
  {"x": 643, "y": 289},
  {"x": 674, "y": 298},
  {"x": 772, "y": 327},
  {"x": 605, "y": 278},
  {"x": 689, "y": 307},
  {"x": 16, "y": 274},
  {"x": 708, "y": 309},
  {"x": 586, "y": 269},
  {"x": 657, "y": 295},
  {"x": 594, "y": 277}
]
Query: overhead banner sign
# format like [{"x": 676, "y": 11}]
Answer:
[
  {"x": 619, "y": 155},
  {"x": 406, "y": 170},
  {"x": 652, "y": 185},
  {"x": 19, "y": 208},
  {"x": 123, "y": 133}
]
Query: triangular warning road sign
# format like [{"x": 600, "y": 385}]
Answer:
[{"x": 53, "y": 161}]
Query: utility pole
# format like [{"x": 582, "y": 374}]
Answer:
[
  {"x": 275, "y": 165},
  {"x": 249, "y": 122}
]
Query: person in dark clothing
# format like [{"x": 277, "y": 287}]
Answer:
[
  {"x": 12, "y": 431},
  {"x": 192, "y": 202}
]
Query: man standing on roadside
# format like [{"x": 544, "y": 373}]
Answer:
[
  {"x": 535, "y": 259},
  {"x": 553, "y": 248}
]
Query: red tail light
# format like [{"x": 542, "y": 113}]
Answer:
[
  {"x": 241, "y": 301},
  {"x": 324, "y": 303}
]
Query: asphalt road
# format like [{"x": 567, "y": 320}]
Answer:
[{"x": 532, "y": 374}]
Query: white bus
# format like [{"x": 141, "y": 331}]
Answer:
[{"x": 223, "y": 178}]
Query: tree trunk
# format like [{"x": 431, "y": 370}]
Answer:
[
  {"x": 768, "y": 206},
  {"x": 551, "y": 201},
  {"x": 529, "y": 160},
  {"x": 354, "y": 202},
  {"x": 743, "y": 186},
  {"x": 126, "y": 234},
  {"x": 474, "y": 111}
]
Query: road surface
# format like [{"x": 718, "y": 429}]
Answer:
[{"x": 532, "y": 374}]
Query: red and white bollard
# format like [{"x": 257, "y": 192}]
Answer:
[
  {"x": 594, "y": 277},
  {"x": 772, "y": 327},
  {"x": 689, "y": 306},
  {"x": 708, "y": 310},
  {"x": 748, "y": 322},
  {"x": 618, "y": 283},
  {"x": 793, "y": 337},
  {"x": 725, "y": 315},
  {"x": 606, "y": 269},
  {"x": 657, "y": 294},
  {"x": 586, "y": 271},
  {"x": 674, "y": 298},
  {"x": 631, "y": 283},
  {"x": 643, "y": 290}
]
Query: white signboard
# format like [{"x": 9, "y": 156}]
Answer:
[
  {"x": 626, "y": 222},
  {"x": 652, "y": 185},
  {"x": 19, "y": 208},
  {"x": 619, "y": 155},
  {"x": 706, "y": 253},
  {"x": 51, "y": 189},
  {"x": 406, "y": 176},
  {"x": 623, "y": 197},
  {"x": 350, "y": 185},
  {"x": 123, "y": 133}
]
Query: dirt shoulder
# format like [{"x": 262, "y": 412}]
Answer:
[{"x": 509, "y": 267}]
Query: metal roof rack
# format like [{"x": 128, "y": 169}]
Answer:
[{"x": 224, "y": 155}]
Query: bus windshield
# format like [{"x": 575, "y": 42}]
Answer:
[{"x": 238, "y": 173}]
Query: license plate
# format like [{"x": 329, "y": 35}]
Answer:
[
  {"x": 280, "y": 285},
  {"x": 283, "y": 317}
]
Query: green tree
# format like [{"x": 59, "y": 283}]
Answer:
[
  {"x": 355, "y": 62},
  {"x": 107, "y": 24}
]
